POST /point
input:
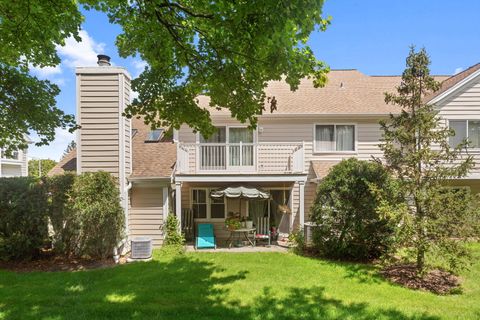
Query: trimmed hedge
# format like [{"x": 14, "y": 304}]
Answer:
[
  {"x": 23, "y": 222},
  {"x": 83, "y": 212},
  {"x": 96, "y": 200},
  {"x": 64, "y": 221}
]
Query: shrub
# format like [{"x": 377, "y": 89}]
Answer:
[
  {"x": 95, "y": 198},
  {"x": 23, "y": 220},
  {"x": 173, "y": 237},
  {"x": 350, "y": 226},
  {"x": 64, "y": 220},
  {"x": 297, "y": 241}
]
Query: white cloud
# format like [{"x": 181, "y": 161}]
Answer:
[
  {"x": 55, "y": 149},
  {"x": 81, "y": 54},
  {"x": 60, "y": 81},
  {"x": 458, "y": 70},
  {"x": 139, "y": 66},
  {"x": 73, "y": 54},
  {"x": 133, "y": 95}
]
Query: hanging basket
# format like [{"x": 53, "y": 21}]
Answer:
[{"x": 283, "y": 208}]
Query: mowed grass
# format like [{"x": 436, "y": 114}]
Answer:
[{"x": 229, "y": 286}]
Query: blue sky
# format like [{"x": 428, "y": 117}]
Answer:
[{"x": 370, "y": 35}]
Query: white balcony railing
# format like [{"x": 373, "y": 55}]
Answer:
[{"x": 200, "y": 158}]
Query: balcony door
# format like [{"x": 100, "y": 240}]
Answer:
[
  {"x": 241, "y": 147},
  {"x": 213, "y": 150},
  {"x": 238, "y": 154}
]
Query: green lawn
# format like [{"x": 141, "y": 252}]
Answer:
[{"x": 229, "y": 286}]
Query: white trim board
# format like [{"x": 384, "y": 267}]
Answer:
[
  {"x": 241, "y": 178},
  {"x": 456, "y": 87}
]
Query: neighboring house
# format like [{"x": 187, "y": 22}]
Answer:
[
  {"x": 67, "y": 164},
  {"x": 291, "y": 150},
  {"x": 15, "y": 165}
]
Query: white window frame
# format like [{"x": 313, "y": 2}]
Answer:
[
  {"x": 227, "y": 132},
  {"x": 227, "y": 139},
  {"x": 335, "y": 124},
  {"x": 466, "y": 132},
  {"x": 209, "y": 205}
]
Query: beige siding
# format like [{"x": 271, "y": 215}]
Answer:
[
  {"x": 298, "y": 131},
  {"x": 146, "y": 213},
  {"x": 127, "y": 125},
  {"x": 102, "y": 98},
  {"x": 99, "y": 100},
  {"x": 464, "y": 105}
]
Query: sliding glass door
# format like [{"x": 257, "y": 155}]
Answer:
[
  {"x": 238, "y": 154},
  {"x": 241, "y": 147}
]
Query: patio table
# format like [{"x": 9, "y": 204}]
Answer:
[{"x": 237, "y": 233}]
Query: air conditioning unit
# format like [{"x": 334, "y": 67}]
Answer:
[
  {"x": 308, "y": 233},
  {"x": 141, "y": 248}
]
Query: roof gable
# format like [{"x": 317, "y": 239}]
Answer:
[{"x": 454, "y": 83}]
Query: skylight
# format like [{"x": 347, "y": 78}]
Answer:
[{"x": 154, "y": 135}]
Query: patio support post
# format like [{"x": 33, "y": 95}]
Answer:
[
  {"x": 301, "y": 206},
  {"x": 166, "y": 209},
  {"x": 178, "y": 203}
]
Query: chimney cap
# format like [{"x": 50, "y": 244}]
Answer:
[{"x": 103, "y": 60}]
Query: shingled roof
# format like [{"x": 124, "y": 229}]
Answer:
[
  {"x": 67, "y": 164},
  {"x": 453, "y": 80},
  {"x": 151, "y": 160},
  {"x": 346, "y": 92}
]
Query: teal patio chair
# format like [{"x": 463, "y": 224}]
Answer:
[{"x": 205, "y": 236}]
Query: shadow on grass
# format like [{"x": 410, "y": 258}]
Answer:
[{"x": 184, "y": 287}]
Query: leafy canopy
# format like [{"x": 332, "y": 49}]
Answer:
[
  {"x": 224, "y": 50},
  {"x": 417, "y": 151},
  {"x": 30, "y": 31},
  {"x": 40, "y": 167}
]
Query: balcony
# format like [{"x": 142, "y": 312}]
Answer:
[{"x": 240, "y": 158}]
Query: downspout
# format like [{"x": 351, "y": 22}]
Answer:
[{"x": 116, "y": 250}]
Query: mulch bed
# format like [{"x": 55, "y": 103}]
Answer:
[
  {"x": 48, "y": 263},
  {"x": 436, "y": 281}
]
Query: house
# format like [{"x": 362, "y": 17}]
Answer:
[
  {"x": 14, "y": 165},
  {"x": 288, "y": 153}
]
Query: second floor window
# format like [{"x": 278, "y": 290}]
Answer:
[
  {"x": 465, "y": 129},
  {"x": 219, "y": 136},
  {"x": 334, "y": 137}
]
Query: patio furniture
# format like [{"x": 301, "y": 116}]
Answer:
[
  {"x": 237, "y": 234},
  {"x": 188, "y": 225},
  {"x": 263, "y": 230},
  {"x": 205, "y": 237}
]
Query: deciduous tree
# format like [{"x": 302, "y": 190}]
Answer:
[
  {"x": 40, "y": 167},
  {"x": 30, "y": 31},
  {"x": 224, "y": 50}
]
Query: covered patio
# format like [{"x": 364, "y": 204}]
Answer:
[{"x": 270, "y": 207}]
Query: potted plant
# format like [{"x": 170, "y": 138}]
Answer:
[{"x": 232, "y": 223}]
